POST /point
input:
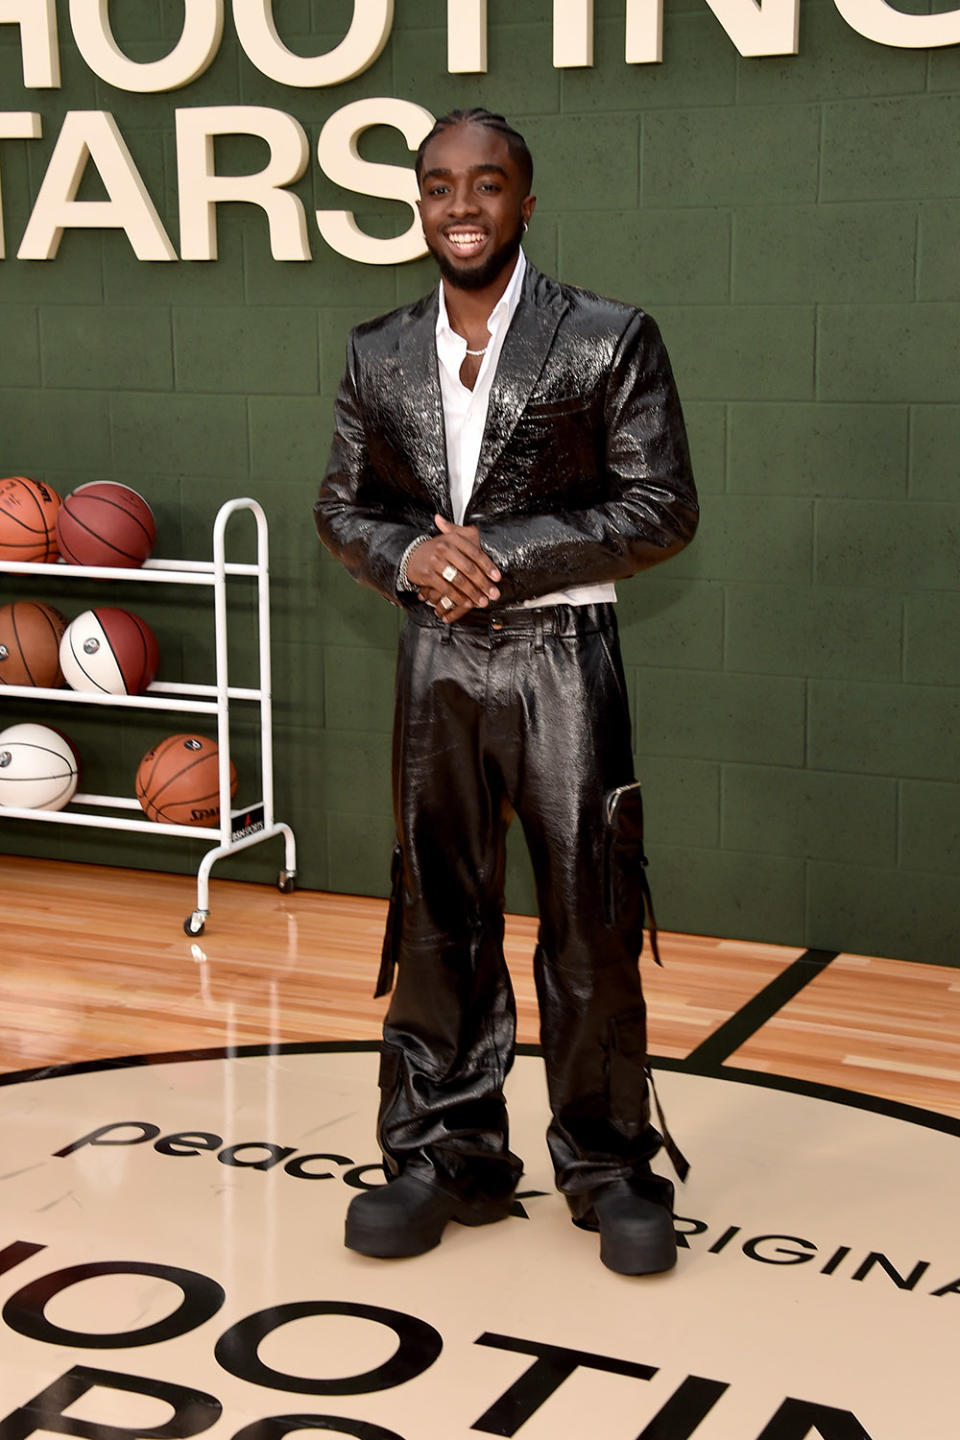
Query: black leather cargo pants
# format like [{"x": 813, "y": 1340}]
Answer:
[{"x": 523, "y": 711}]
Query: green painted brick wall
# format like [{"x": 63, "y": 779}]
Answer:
[{"x": 792, "y": 222}]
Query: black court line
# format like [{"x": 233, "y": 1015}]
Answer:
[
  {"x": 718, "y": 1047},
  {"x": 877, "y": 1104},
  {"x": 834, "y": 1094}
]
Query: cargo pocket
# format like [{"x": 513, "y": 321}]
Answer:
[
  {"x": 626, "y": 891},
  {"x": 391, "y": 936}
]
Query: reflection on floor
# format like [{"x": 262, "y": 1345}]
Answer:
[{"x": 97, "y": 965}]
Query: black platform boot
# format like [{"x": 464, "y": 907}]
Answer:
[
  {"x": 408, "y": 1215},
  {"x": 635, "y": 1221}
]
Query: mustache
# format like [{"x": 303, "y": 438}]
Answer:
[{"x": 467, "y": 277}]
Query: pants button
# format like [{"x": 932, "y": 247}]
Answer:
[{"x": 496, "y": 624}]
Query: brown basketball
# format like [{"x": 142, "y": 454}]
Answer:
[
  {"x": 178, "y": 781},
  {"x": 30, "y": 636},
  {"x": 104, "y": 523},
  {"x": 28, "y": 519}
]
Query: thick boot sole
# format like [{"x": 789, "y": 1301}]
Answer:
[
  {"x": 637, "y": 1235},
  {"x": 649, "y": 1257},
  {"x": 391, "y": 1245},
  {"x": 401, "y": 1242}
]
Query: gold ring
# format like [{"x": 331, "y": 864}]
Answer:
[
  {"x": 449, "y": 572},
  {"x": 446, "y": 602}
]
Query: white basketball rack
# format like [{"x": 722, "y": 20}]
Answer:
[{"x": 238, "y": 829}]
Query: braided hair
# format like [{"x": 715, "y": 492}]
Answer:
[{"x": 478, "y": 116}]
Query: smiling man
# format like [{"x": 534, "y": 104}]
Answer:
[{"x": 507, "y": 448}]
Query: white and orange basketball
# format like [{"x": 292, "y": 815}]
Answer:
[{"x": 108, "y": 650}]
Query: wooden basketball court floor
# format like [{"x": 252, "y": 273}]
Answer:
[
  {"x": 819, "y": 1091},
  {"x": 95, "y": 965}
]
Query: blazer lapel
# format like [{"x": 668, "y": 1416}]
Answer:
[
  {"x": 422, "y": 404},
  {"x": 522, "y": 358}
]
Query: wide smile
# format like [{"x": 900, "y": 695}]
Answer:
[{"x": 466, "y": 241}]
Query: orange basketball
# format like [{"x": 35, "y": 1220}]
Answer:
[
  {"x": 28, "y": 519},
  {"x": 178, "y": 781},
  {"x": 104, "y": 523},
  {"x": 30, "y": 635}
]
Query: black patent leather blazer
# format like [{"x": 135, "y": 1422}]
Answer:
[{"x": 584, "y": 472}]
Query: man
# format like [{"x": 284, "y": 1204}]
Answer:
[{"x": 506, "y": 449}]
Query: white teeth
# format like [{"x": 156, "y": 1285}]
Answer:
[{"x": 466, "y": 240}]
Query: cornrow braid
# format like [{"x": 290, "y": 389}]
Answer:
[{"x": 478, "y": 116}]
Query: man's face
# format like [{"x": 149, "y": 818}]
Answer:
[{"x": 473, "y": 205}]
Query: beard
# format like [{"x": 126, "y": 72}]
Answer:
[{"x": 463, "y": 277}]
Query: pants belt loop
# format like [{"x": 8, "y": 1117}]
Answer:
[
  {"x": 446, "y": 634},
  {"x": 538, "y": 630}
]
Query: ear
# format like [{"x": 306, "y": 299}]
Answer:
[{"x": 527, "y": 207}]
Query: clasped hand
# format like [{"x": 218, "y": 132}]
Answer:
[{"x": 456, "y": 549}]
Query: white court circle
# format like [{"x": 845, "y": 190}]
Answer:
[{"x": 817, "y": 1294}]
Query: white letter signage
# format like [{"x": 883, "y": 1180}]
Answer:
[
  {"x": 466, "y": 37},
  {"x": 93, "y": 135},
  {"x": 17, "y": 125},
  {"x": 878, "y": 21},
  {"x": 202, "y": 189},
  {"x": 363, "y": 42},
  {"x": 340, "y": 159},
  {"x": 38, "y": 40},
  {"x": 199, "y": 42}
]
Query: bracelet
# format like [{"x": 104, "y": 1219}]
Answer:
[{"x": 403, "y": 583}]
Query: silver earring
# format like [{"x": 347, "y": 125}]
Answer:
[{"x": 526, "y": 227}]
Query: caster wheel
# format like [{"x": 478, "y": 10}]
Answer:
[
  {"x": 193, "y": 925},
  {"x": 285, "y": 882}
]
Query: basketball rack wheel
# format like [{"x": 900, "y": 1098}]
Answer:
[
  {"x": 197, "y": 919},
  {"x": 195, "y": 922}
]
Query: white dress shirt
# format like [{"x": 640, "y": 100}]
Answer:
[{"x": 465, "y": 417}]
